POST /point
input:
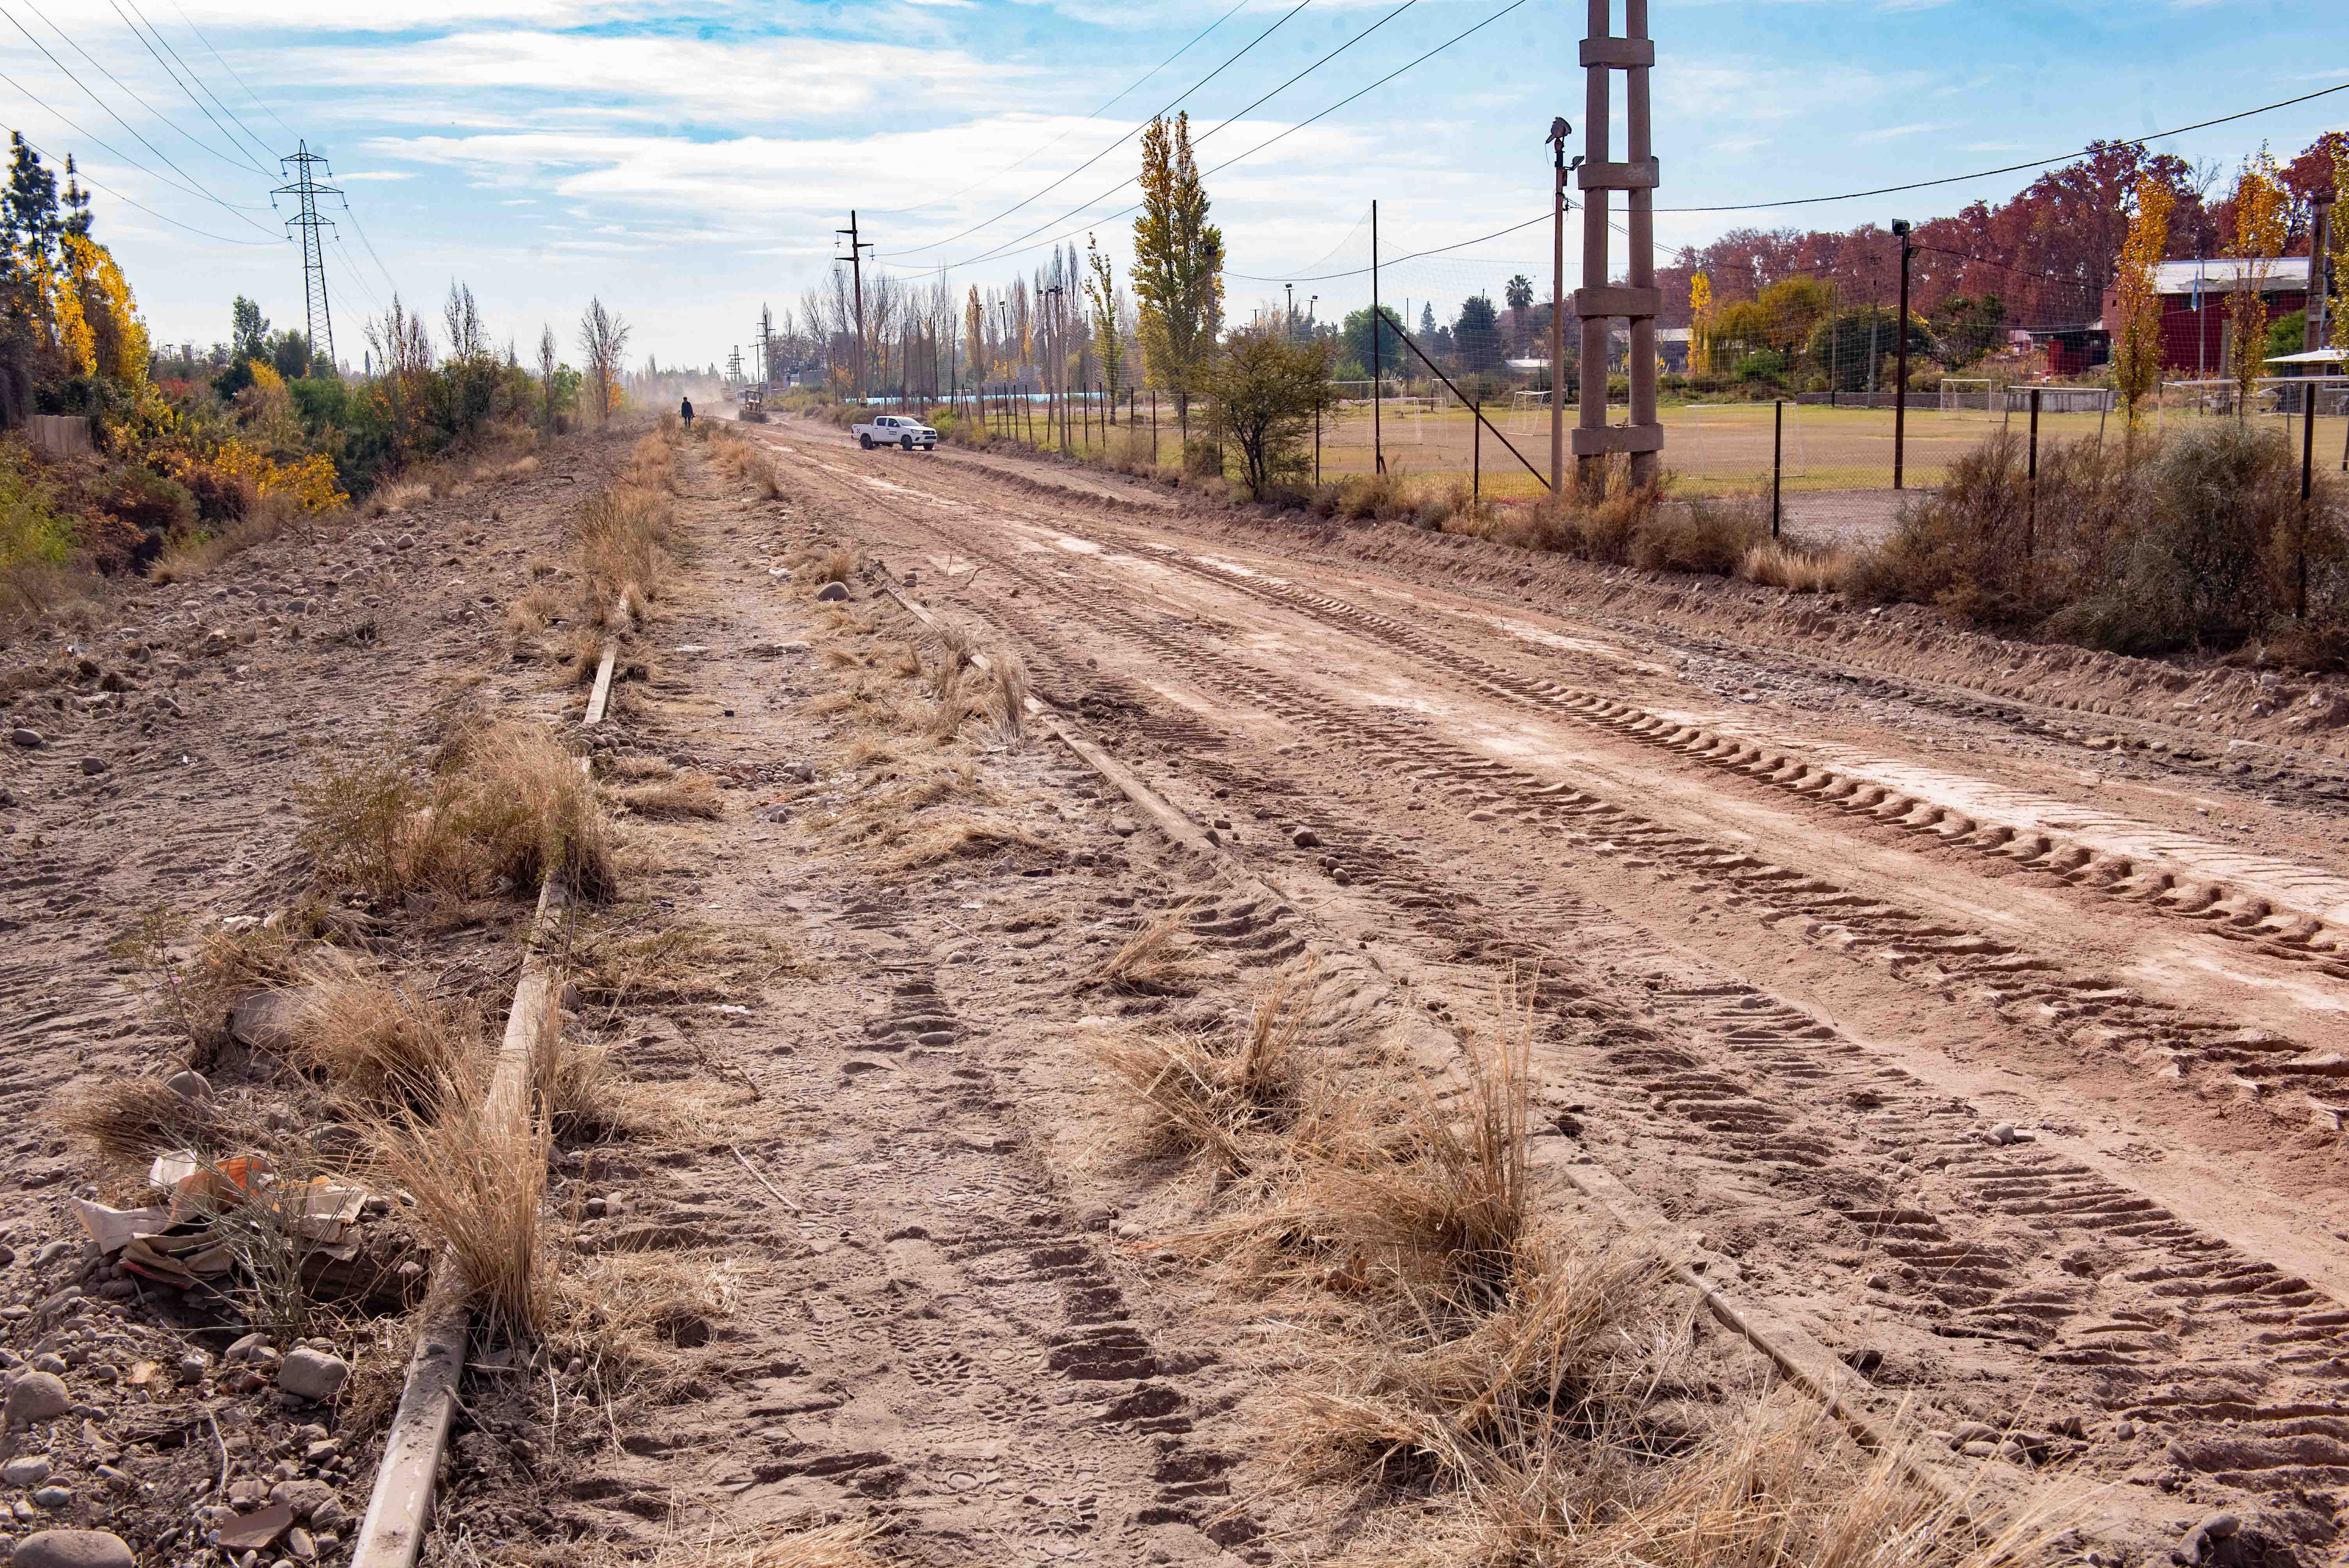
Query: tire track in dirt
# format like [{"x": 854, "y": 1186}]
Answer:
[{"x": 2063, "y": 1286}]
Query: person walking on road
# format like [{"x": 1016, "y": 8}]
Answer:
[{"x": 685, "y": 412}]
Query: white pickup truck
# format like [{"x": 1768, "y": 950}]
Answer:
[{"x": 895, "y": 430}]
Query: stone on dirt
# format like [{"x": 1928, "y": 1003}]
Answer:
[
  {"x": 1304, "y": 839},
  {"x": 832, "y": 593},
  {"x": 190, "y": 1085},
  {"x": 35, "y": 1397},
  {"x": 309, "y": 1374},
  {"x": 265, "y": 1020},
  {"x": 30, "y": 739},
  {"x": 73, "y": 1549},
  {"x": 95, "y": 765},
  {"x": 30, "y": 1469}
]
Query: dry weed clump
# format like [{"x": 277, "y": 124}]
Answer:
[
  {"x": 1798, "y": 568},
  {"x": 628, "y": 1315},
  {"x": 842, "y": 1545},
  {"x": 228, "y": 962},
  {"x": 129, "y": 1121},
  {"x": 1500, "y": 1391},
  {"x": 620, "y": 966},
  {"x": 1157, "y": 960},
  {"x": 1234, "y": 1100},
  {"x": 688, "y": 795},
  {"x": 478, "y": 1172},
  {"x": 506, "y": 807},
  {"x": 1640, "y": 528},
  {"x": 379, "y": 1045}
]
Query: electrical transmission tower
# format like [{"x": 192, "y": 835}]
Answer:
[
  {"x": 307, "y": 189},
  {"x": 734, "y": 366}
]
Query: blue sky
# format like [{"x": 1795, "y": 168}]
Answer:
[{"x": 688, "y": 166}]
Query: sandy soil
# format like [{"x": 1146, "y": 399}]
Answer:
[{"x": 1969, "y": 1012}]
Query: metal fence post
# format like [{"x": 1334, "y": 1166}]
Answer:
[
  {"x": 2030, "y": 516},
  {"x": 1777, "y": 456},
  {"x": 2307, "y": 475},
  {"x": 1476, "y": 459}
]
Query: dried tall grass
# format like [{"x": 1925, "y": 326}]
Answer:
[
  {"x": 1797, "y": 568},
  {"x": 688, "y": 795},
  {"x": 131, "y": 1121},
  {"x": 842, "y": 1545},
  {"x": 381, "y": 1044},
  {"x": 1504, "y": 1392},
  {"x": 1157, "y": 960},
  {"x": 622, "y": 966},
  {"x": 506, "y": 804},
  {"x": 1007, "y": 696},
  {"x": 478, "y": 1173},
  {"x": 1235, "y": 1100},
  {"x": 628, "y": 1314}
]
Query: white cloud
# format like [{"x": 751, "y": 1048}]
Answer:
[{"x": 599, "y": 76}]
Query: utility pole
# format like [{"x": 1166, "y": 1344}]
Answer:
[
  {"x": 857, "y": 249},
  {"x": 1558, "y": 131},
  {"x": 1378, "y": 330},
  {"x": 306, "y": 188},
  {"x": 734, "y": 366},
  {"x": 1289, "y": 325},
  {"x": 1633, "y": 54},
  {"x": 766, "y": 346},
  {"x": 1901, "y": 358}
]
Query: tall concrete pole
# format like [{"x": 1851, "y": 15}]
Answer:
[{"x": 1597, "y": 300}]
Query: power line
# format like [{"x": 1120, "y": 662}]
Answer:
[
  {"x": 119, "y": 82},
  {"x": 2015, "y": 168},
  {"x": 158, "y": 34},
  {"x": 1131, "y": 86},
  {"x": 1315, "y": 65},
  {"x": 389, "y": 282},
  {"x": 1013, "y": 246},
  {"x": 231, "y": 70},
  {"x": 190, "y": 97},
  {"x": 115, "y": 153},
  {"x": 151, "y": 211},
  {"x": 1120, "y": 142}
]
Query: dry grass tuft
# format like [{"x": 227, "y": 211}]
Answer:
[
  {"x": 391, "y": 500},
  {"x": 1007, "y": 695},
  {"x": 1158, "y": 960},
  {"x": 379, "y": 1045},
  {"x": 839, "y": 1546},
  {"x": 683, "y": 963},
  {"x": 1235, "y": 1100},
  {"x": 1797, "y": 567},
  {"x": 506, "y": 805},
  {"x": 686, "y": 796},
  {"x": 131, "y": 1121},
  {"x": 479, "y": 1176},
  {"x": 628, "y": 1315},
  {"x": 937, "y": 839}
]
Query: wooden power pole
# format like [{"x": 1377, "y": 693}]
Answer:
[{"x": 1598, "y": 301}]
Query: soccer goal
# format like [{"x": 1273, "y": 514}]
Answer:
[
  {"x": 1967, "y": 394},
  {"x": 1529, "y": 413}
]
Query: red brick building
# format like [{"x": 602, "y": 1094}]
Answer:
[{"x": 2195, "y": 336}]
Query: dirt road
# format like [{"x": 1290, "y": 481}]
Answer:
[
  {"x": 1998, "y": 1053},
  {"x": 1965, "y": 1013}
]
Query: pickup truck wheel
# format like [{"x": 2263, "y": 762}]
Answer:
[
  {"x": 907, "y": 443},
  {"x": 865, "y": 442}
]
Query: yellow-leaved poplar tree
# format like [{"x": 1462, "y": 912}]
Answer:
[
  {"x": 2137, "y": 347},
  {"x": 2260, "y": 201},
  {"x": 974, "y": 334},
  {"x": 1700, "y": 325}
]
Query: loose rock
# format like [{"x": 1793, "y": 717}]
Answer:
[
  {"x": 73, "y": 1549},
  {"x": 31, "y": 1470},
  {"x": 313, "y": 1374},
  {"x": 832, "y": 593},
  {"x": 190, "y": 1085},
  {"x": 1305, "y": 839},
  {"x": 30, "y": 739},
  {"x": 35, "y": 1397},
  {"x": 95, "y": 765}
]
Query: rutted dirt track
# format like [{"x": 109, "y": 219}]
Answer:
[
  {"x": 1992, "y": 1057},
  {"x": 1989, "y": 1049}
]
